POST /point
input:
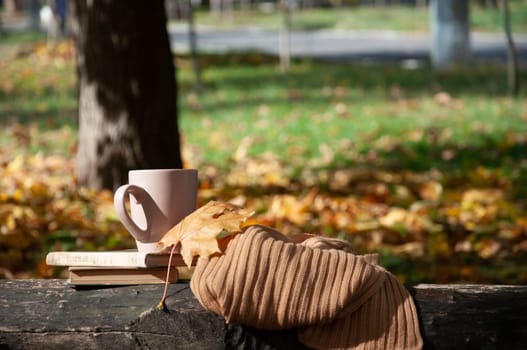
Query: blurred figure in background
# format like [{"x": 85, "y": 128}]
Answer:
[
  {"x": 61, "y": 9},
  {"x": 53, "y": 19}
]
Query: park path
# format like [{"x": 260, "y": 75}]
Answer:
[
  {"x": 339, "y": 45},
  {"x": 331, "y": 45}
]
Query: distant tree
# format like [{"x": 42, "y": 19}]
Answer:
[
  {"x": 184, "y": 10},
  {"x": 127, "y": 106},
  {"x": 222, "y": 8},
  {"x": 192, "y": 37},
  {"x": 488, "y": 3},
  {"x": 512, "y": 63},
  {"x": 285, "y": 35},
  {"x": 449, "y": 27},
  {"x": 32, "y": 13}
]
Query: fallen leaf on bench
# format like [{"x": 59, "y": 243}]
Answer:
[{"x": 199, "y": 232}]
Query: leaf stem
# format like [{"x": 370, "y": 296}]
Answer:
[{"x": 161, "y": 305}]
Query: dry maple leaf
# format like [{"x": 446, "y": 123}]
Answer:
[{"x": 198, "y": 233}]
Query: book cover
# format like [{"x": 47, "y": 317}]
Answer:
[
  {"x": 127, "y": 258},
  {"x": 126, "y": 276}
]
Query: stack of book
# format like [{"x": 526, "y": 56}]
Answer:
[{"x": 120, "y": 267}]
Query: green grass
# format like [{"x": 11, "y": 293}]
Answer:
[
  {"x": 339, "y": 104},
  {"x": 488, "y": 19},
  {"x": 298, "y": 115},
  {"x": 17, "y": 38},
  {"x": 37, "y": 90},
  {"x": 320, "y": 118},
  {"x": 405, "y": 126},
  {"x": 399, "y": 18}
]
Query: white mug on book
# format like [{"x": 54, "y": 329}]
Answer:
[{"x": 159, "y": 199}]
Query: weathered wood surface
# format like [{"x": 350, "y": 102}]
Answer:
[
  {"x": 48, "y": 314},
  {"x": 472, "y": 316}
]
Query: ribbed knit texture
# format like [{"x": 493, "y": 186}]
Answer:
[{"x": 336, "y": 299}]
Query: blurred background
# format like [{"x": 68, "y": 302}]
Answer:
[{"x": 400, "y": 126}]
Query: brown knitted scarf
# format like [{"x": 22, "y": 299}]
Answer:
[{"x": 336, "y": 300}]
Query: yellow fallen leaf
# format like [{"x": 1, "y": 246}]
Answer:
[
  {"x": 431, "y": 191},
  {"x": 199, "y": 232}
]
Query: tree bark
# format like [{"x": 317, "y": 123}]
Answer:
[
  {"x": 127, "y": 91},
  {"x": 512, "y": 62},
  {"x": 449, "y": 28},
  {"x": 285, "y": 34},
  {"x": 192, "y": 38},
  {"x": 32, "y": 10}
]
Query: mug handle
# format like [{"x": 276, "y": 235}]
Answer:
[{"x": 119, "y": 199}]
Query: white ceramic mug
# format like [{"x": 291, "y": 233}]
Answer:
[{"x": 159, "y": 199}]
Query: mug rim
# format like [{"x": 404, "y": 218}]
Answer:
[{"x": 161, "y": 170}]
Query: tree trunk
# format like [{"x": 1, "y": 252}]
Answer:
[
  {"x": 194, "y": 48},
  {"x": 449, "y": 27},
  {"x": 215, "y": 7},
  {"x": 127, "y": 91},
  {"x": 284, "y": 39},
  {"x": 512, "y": 62},
  {"x": 33, "y": 19}
]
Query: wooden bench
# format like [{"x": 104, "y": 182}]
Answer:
[{"x": 49, "y": 314}]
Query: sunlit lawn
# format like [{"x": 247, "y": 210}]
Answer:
[
  {"x": 319, "y": 105},
  {"x": 298, "y": 114},
  {"x": 427, "y": 169},
  {"x": 399, "y": 18}
]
